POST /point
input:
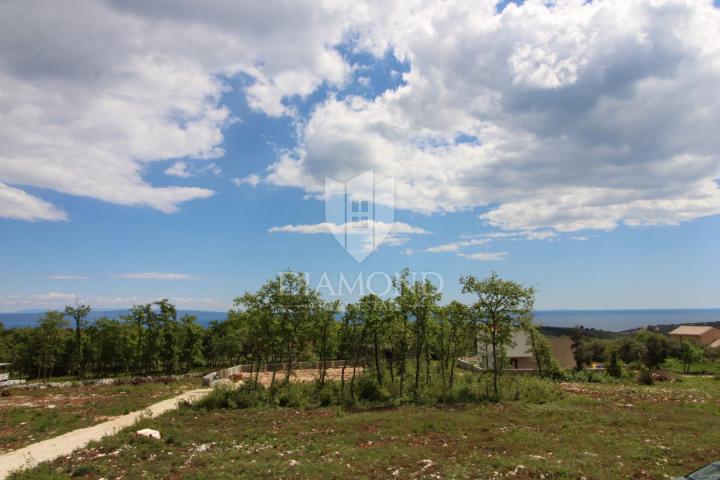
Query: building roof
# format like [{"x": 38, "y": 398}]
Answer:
[
  {"x": 691, "y": 330},
  {"x": 715, "y": 344}
]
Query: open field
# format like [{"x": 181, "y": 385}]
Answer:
[
  {"x": 30, "y": 415},
  {"x": 596, "y": 431}
]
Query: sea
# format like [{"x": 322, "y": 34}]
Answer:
[
  {"x": 619, "y": 320},
  {"x": 613, "y": 320}
]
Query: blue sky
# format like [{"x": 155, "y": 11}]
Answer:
[{"x": 584, "y": 167}]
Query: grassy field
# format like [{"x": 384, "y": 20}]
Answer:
[
  {"x": 594, "y": 431},
  {"x": 31, "y": 415}
]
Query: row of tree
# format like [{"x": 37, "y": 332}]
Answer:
[
  {"x": 645, "y": 348},
  {"x": 406, "y": 340}
]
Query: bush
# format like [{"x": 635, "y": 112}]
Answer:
[
  {"x": 645, "y": 377},
  {"x": 369, "y": 390},
  {"x": 530, "y": 389},
  {"x": 244, "y": 397},
  {"x": 614, "y": 369},
  {"x": 292, "y": 395}
]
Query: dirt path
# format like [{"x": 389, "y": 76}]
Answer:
[{"x": 65, "y": 444}]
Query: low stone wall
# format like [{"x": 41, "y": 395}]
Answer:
[{"x": 266, "y": 367}]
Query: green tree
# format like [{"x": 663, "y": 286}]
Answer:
[
  {"x": 325, "y": 335},
  {"x": 417, "y": 301},
  {"x": 581, "y": 351},
  {"x": 614, "y": 369},
  {"x": 49, "y": 342},
  {"x": 371, "y": 308},
  {"x": 688, "y": 353},
  {"x": 78, "y": 313},
  {"x": 191, "y": 338},
  {"x": 454, "y": 333},
  {"x": 500, "y": 307},
  {"x": 630, "y": 349},
  {"x": 657, "y": 349},
  {"x": 545, "y": 361}
]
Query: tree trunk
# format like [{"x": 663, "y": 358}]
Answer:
[{"x": 377, "y": 360}]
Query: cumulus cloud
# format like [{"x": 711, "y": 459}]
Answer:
[
  {"x": 548, "y": 116},
  {"x": 91, "y": 92},
  {"x": 155, "y": 276},
  {"x": 551, "y": 116}
]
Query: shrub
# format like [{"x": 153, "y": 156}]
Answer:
[
  {"x": 369, "y": 390},
  {"x": 614, "y": 369},
  {"x": 292, "y": 395},
  {"x": 532, "y": 389},
  {"x": 645, "y": 376}
]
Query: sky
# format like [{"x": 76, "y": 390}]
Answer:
[{"x": 192, "y": 150}]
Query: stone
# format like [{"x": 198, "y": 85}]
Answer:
[{"x": 149, "y": 433}]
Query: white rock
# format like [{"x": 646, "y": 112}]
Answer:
[
  {"x": 294, "y": 463},
  {"x": 148, "y": 432}
]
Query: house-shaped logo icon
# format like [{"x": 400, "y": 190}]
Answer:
[{"x": 360, "y": 213}]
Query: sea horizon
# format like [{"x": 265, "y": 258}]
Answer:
[{"x": 615, "y": 320}]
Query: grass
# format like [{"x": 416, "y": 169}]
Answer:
[
  {"x": 597, "y": 431},
  {"x": 32, "y": 415}
]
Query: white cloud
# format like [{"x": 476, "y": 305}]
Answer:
[
  {"x": 253, "y": 180},
  {"x": 485, "y": 256},
  {"x": 573, "y": 115},
  {"x": 93, "y": 91},
  {"x": 390, "y": 234},
  {"x": 398, "y": 228},
  {"x": 17, "y": 204},
  {"x": 580, "y": 238},
  {"x": 455, "y": 246},
  {"x": 582, "y": 115},
  {"x": 178, "y": 169},
  {"x": 155, "y": 276},
  {"x": 183, "y": 169}
]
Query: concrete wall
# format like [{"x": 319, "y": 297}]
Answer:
[
  {"x": 520, "y": 354},
  {"x": 562, "y": 349}
]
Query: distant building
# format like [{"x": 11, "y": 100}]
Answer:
[
  {"x": 704, "y": 336},
  {"x": 520, "y": 355}
]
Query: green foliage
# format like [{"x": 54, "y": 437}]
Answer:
[
  {"x": 630, "y": 349},
  {"x": 657, "y": 349},
  {"x": 534, "y": 390},
  {"x": 688, "y": 353},
  {"x": 645, "y": 376},
  {"x": 500, "y": 309},
  {"x": 614, "y": 369}
]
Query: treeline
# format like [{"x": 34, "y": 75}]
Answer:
[
  {"x": 149, "y": 340},
  {"x": 406, "y": 341},
  {"x": 642, "y": 352}
]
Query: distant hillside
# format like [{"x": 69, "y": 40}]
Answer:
[
  {"x": 567, "y": 331},
  {"x": 26, "y": 319}
]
